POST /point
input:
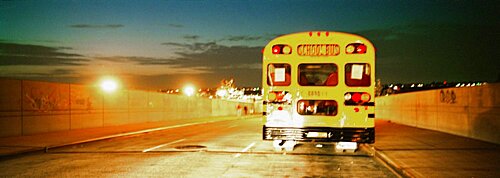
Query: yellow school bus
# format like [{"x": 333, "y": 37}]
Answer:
[{"x": 318, "y": 86}]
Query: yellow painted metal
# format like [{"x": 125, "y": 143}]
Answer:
[{"x": 346, "y": 115}]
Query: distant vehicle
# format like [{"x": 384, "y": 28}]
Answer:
[{"x": 318, "y": 86}]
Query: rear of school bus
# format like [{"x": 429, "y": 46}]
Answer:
[{"x": 319, "y": 86}]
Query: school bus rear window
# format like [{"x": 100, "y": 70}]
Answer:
[
  {"x": 317, "y": 107},
  {"x": 278, "y": 74},
  {"x": 357, "y": 74},
  {"x": 318, "y": 75}
]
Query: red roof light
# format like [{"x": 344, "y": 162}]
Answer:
[
  {"x": 281, "y": 49},
  {"x": 276, "y": 49},
  {"x": 361, "y": 49},
  {"x": 355, "y": 48}
]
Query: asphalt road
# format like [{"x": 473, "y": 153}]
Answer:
[{"x": 221, "y": 149}]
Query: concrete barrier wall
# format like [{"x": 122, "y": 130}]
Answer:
[
  {"x": 45, "y": 107},
  {"x": 10, "y": 107},
  {"x": 472, "y": 112},
  {"x": 30, "y": 107}
]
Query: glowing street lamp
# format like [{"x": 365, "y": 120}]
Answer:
[
  {"x": 109, "y": 85},
  {"x": 188, "y": 90}
]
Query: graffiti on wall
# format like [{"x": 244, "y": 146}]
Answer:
[
  {"x": 84, "y": 102},
  {"x": 448, "y": 96},
  {"x": 83, "y": 98},
  {"x": 45, "y": 99}
]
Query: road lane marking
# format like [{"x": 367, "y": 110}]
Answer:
[
  {"x": 139, "y": 132},
  {"x": 245, "y": 149},
  {"x": 233, "y": 126},
  {"x": 162, "y": 145}
]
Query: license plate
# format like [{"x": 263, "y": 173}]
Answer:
[{"x": 317, "y": 134}]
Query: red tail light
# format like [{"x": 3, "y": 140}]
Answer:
[
  {"x": 276, "y": 49},
  {"x": 281, "y": 49},
  {"x": 277, "y": 96},
  {"x": 361, "y": 49},
  {"x": 355, "y": 48},
  {"x": 356, "y": 98}
]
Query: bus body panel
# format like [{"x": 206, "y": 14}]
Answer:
[{"x": 286, "y": 120}]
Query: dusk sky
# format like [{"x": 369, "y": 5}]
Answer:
[{"x": 166, "y": 44}]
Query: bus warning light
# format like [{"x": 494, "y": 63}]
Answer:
[
  {"x": 365, "y": 97},
  {"x": 355, "y": 48},
  {"x": 276, "y": 49},
  {"x": 356, "y": 97},
  {"x": 287, "y": 50},
  {"x": 347, "y": 96},
  {"x": 361, "y": 49},
  {"x": 350, "y": 49},
  {"x": 282, "y": 49}
]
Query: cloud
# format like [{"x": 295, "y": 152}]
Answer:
[
  {"x": 138, "y": 60},
  {"x": 174, "y": 44},
  {"x": 63, "y": 72},
  {"x": 194, "y": 47},
  {"x": 207, "y": 57},
  {"x": 65, "y": 48},
  {"x": 244, "y": 38},
  {"x": 191, "y": 37},
  {"x": 152, "y": 61},
  {"x": 214, "y": 62},
  {"x": 48, "y": 73},
  {"x": 26, "y": 54},
  {"x": 215, "y": 56},
  {"x": 108, "y": 26},
  {"x": 176, "y": 25},
  {"x": 250, "y": 38}
]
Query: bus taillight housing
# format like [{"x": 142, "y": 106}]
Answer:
[
  {"x": 355, "y": 48},
  {"x": 281, "y": 49},
  {"x": 356, "y": 98},
  {"x": 279, "y": 97}
]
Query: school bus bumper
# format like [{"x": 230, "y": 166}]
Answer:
[{"x": 320, "y": 134}]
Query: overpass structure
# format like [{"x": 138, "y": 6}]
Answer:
[
  {"x": 472, "y": 112},
  {"x": 32, "y": 107},
  {"x": 36, "y": 117}
]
